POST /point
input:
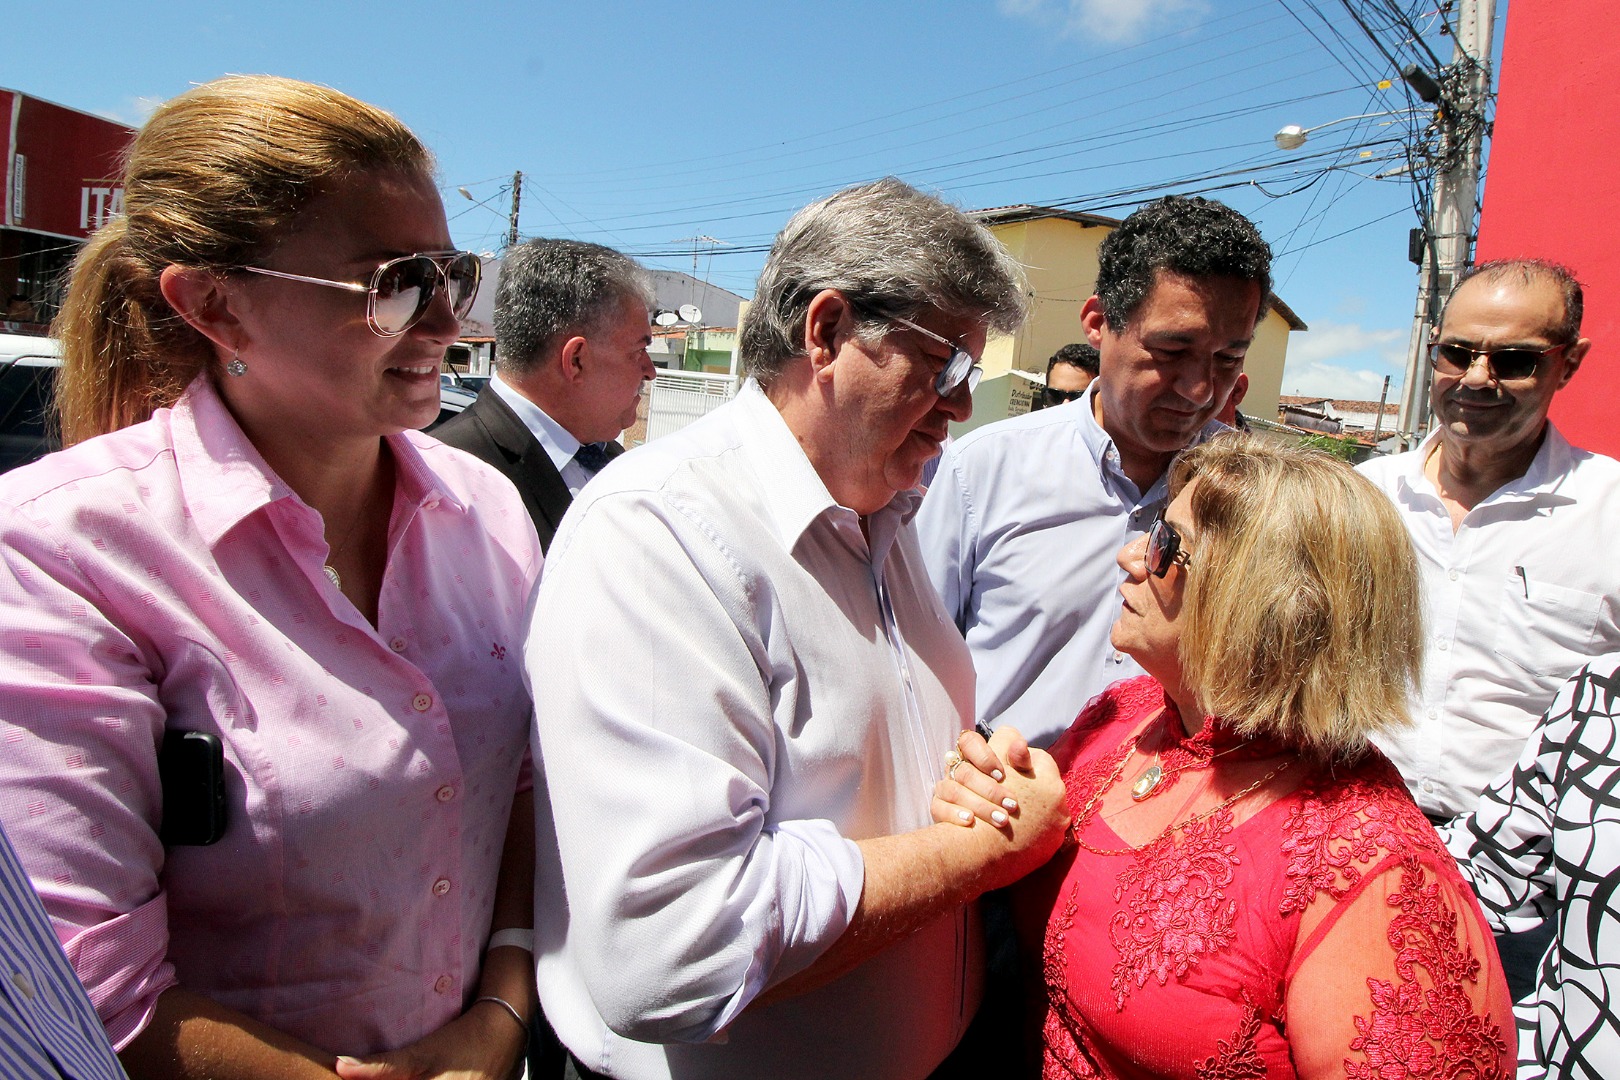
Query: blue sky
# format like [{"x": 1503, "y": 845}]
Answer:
[{"x": 643, "y": 126}]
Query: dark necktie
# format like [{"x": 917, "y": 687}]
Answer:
[{"x": 592, "y": 456}]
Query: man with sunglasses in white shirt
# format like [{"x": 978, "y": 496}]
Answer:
[{"x": 1513, "y": 528}]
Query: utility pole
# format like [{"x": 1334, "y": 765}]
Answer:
[
  {"x": 517, "y": 198},
  {"x": 1459, "y": 122}
]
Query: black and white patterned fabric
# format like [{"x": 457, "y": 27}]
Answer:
[{"x": 1545, "y": 843}]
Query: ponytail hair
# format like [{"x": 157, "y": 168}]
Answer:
[{"x": 213, "y": 180}]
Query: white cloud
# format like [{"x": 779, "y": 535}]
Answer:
[
  {"x": 134, "y": 111},
  {"x": 1113, "y": 21},
  {"x": 1345, "y": 360},
  {"x": 1329, "y": 380},
  {"x": 1329, "y": 340}
]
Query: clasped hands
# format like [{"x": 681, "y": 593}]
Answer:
[{"x": 1012, "y": 787}]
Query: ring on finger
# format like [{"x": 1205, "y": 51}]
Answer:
[{"x": 952, "y": 760}]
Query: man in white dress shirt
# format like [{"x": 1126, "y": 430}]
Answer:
[
  {"x": 1022, "y": 524},
  {"x": 1513, "y": 528},
  {"x": 746, "y": 686},
  {"x": 572, "y": 320}
]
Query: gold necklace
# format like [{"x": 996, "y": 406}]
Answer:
[
  {"x": 333, "y": 553},
  {"x": 1085, "y": 813},
  {"x": 1147, "y": 781}
]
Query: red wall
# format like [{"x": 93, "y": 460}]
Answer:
[
  {"x": 1553, "y": 183},
  {"x": 72, "y": 162}
]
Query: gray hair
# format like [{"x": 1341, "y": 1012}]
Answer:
[
  {"x": 550, "y": 289},
  {"x": 894, "y": 253},
  {"x": 1527, "y": 272}
]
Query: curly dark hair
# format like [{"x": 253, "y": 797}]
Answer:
[{"x": 1187, "y": 235}]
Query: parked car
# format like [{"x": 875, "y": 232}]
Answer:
[
  {"x": 451, "y": 401},
  {"x": 473, "y": 384},
  {"x": 28, "y": 376}
]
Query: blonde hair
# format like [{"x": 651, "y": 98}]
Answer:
[
  {"x": 1302, "y": 615},
  {"x": 215, "y": 177}
]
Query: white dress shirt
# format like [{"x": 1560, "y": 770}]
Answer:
[
  {"x": 1523, "y": 593},
  {"x": 735, "y": 684},
  {"x": 1020, "y": 530},
  {"x": 554, "y": 439},
  {"x": 1544, "y": 843}
]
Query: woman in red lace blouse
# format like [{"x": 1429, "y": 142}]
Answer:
[{"x": 1250, "y": 891}]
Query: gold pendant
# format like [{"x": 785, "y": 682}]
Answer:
[{"x": 1147, "y": 782}]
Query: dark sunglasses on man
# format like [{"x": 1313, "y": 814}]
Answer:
[
  {"x": 401, "y": 290},
  {"x": 1455, "y": 358},
  {"x": 1053, "y": 396}
]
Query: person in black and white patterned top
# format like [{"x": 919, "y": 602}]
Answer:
[{"x": 1544, "y": 843}]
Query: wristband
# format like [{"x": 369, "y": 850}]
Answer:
[{"x": 522, "y": 938}]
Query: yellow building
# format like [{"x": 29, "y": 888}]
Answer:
[{"x": 1058, "y": 249}]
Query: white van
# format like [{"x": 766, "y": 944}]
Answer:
[{"x": 27, "y": 375}]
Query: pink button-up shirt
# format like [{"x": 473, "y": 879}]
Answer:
[{"x": 164, "y": 576}]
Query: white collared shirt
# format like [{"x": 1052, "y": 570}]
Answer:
[
  {"x": 1515, "y": 601},
  {"x": 1020, "y": 530},
  {"x": 554, "y": 439},
  {"x": 736, "y": 683}
]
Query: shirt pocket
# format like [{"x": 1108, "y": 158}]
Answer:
[{"x": 1546, "y": 629}]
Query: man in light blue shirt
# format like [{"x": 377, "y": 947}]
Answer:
[{"x": 1022, "y": 524}]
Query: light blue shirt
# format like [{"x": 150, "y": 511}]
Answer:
[
  {"x": 48, "y": 1030},
  {"x": 1019, "y": 532},
  {"x": 554, "y": 439}
]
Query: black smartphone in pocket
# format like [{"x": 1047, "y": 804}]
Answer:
[{"x": 191, "y": 767}]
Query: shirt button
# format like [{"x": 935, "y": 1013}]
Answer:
[
  {"x": 1453, "y": 575},
  {"x": 23, "y": 985},
  {"x": 441, "y": 886},
  {"x": 431, "y": 504},
  {"x": 446, "y": 793},
  {"x": 397, "y": 644},
  {"x": 1428, "y": 785},
  {"x": 422, "y": 702},
  {"x": 1443, "y": 646},
  {"x": 442, "y": 984},
  {"x": 1434, "y": 714},
  {"x": 1119, "y": 658}
]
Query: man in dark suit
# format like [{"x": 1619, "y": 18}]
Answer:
[{"x": 573, "y": 325}]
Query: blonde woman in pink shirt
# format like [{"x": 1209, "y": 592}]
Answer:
[{"x": 245, "y": 540}]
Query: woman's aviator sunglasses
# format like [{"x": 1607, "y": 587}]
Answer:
[
  {"x": 1164, "y": 548},
  {"x": 402, "y": 289}
]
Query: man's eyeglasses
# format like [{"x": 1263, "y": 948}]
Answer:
[
  {"x": 401, "y": 290},
  {"x": 960, "y": 368},
  {"x": 1055, "y": 396},
  {"x": 1456, "y": 358},
  {"x": 1164, "y": 548}
]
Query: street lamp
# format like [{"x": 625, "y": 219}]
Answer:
[{"x": 1292, "y": 136}]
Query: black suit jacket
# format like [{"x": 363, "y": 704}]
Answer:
[{"x": 491, "y": 431}]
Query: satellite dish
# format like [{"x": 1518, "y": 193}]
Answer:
[
  {"x": 691, "y": 314},
  {"x": 666, "y": 318}
]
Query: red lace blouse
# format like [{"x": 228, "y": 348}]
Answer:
[{"x": 1312, "y": 927}]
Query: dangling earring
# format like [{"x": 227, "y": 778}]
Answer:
[{"x": 234, "y": 366}]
